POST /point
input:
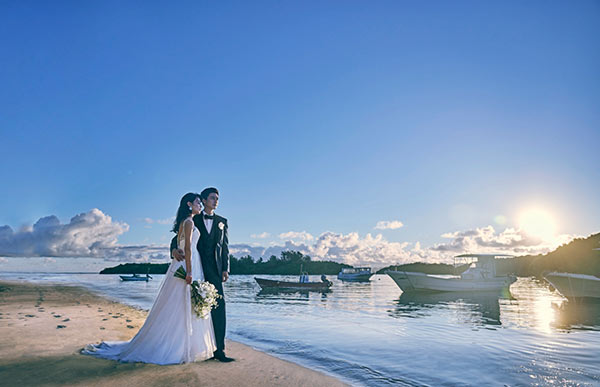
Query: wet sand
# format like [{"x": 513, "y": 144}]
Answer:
[{"x": 43, "y": 328}]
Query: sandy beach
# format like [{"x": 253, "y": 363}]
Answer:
[{"x": 43, "y": 328}]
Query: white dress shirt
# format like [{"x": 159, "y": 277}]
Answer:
[{"x": 207, "y": 222}]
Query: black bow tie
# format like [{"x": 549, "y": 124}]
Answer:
[{"x": 209, "y": 216}]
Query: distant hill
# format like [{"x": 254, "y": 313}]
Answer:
[
  {"x": 577, "y": 256},
  {"x": 289, "y": 263},
  {"x": 137, "y": 268}
]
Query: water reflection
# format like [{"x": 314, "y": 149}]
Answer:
[
  {"x": 577, "y": 315},
  {"x": 353, "y": 284},
  {"x": 481, "y": 308},
  {"x": 371, "y": 334},
  {"x": 283, "y": 294}
]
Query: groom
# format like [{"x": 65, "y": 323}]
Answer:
[{"x": 214, "y": 254}]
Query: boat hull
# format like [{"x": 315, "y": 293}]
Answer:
[
  {"x": 354, "y": 277},
  {"x": 575, "y": 286},
  {"x": 273, "y": 284},
  {"x": 123, "y": 278},
  {"x": 420, "y": 282}
]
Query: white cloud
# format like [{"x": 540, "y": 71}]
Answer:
[
  {"x": 159, "y": 221},
  {"x": 487, "y": 240},
  {"x": 91, "y": 234},
  {"x": 376, "y": 251},
  {"x": 296, "y": 236},
  {"x": 240, "y": 250},
  {"x": 352, "y": 249},
  {"x": 142, "y": 253},
  {"x": 88, "y": 234},
  {"x": 345, "y": 248},
  {"x": 95, "y": 234},
  {"x": 388, "y": 225},
  {"x": 261, "y": 235}
]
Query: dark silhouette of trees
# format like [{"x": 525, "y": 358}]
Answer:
[
  {"x": 137, "y": 268},
  {"x": 290, "y": 262}
]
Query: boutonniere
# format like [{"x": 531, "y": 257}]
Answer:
[{"x": 221, "y": 226}]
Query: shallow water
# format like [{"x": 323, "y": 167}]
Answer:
[{"x": 372, "y": 334}]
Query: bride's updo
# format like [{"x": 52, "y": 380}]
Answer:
[{"x": 184, "y": 209}]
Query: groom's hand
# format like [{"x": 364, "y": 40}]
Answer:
[
  {"x": 178, "y": 254},
  {"x": 225, "y": 276}
]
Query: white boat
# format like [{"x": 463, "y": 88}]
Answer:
[
  {"x": 135, "y": 277},
  {"x": 355, "y": 274},
  {"x": 575, "y": 286},
  {"x": 480, "y": 276}
]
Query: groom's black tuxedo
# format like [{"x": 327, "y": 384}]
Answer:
[{"x": 213, "y": 246}]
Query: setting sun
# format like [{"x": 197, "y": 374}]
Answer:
[{"x": 538, "y": 223}]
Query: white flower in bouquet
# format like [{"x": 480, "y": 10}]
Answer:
[{"x": 204, "y": 295}]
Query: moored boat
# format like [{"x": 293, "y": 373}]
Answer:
[
  {"x": 480, "y": 276},
  {"x": 575, "y": 286},
  {"x": 135, "y": 277},
  {"x": 355, "y": 274},
  {"x": 275, "y": 284}
]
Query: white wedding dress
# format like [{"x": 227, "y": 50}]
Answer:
[{"x": 172, "y": 333}]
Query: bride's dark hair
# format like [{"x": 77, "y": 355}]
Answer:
[{"x": 184, "y": 209}]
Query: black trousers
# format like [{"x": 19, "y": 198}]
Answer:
[{"x": 218, "y": 317}]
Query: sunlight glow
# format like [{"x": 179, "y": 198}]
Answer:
[
  {"x": 544, "y": 314},
  {"x": 538, "y": 223}
]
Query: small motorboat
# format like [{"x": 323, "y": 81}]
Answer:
[
  {"x": 355, "y": 274},
  {"x": 480, "y": 276},
  {"x": 303, "y": 284},
  {"x": 135, "y": 277},
  {"x": 575, "y": 286}
]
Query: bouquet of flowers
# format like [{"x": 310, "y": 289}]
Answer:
[{"x": 204, "y": 295}]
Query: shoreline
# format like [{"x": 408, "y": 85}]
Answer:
[{"x": 43, "y": 327}]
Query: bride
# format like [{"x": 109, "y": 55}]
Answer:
[{"x": 172, "y": 333}]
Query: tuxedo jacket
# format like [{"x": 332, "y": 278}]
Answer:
[{"x": 213, "y": 247}]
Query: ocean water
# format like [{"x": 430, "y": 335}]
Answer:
[{"x": 373, "y": 335}]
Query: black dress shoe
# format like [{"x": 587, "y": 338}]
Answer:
[{"x": 220, "y": 356}]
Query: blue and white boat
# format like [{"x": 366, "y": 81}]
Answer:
[
  {"x": 355, "y": 274},
  {"x": 136, "y": 277}
]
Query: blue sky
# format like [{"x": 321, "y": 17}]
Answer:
[{"x": 310, "y": 117}]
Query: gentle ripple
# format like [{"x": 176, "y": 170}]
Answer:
[{"x": 372, "y": 334}]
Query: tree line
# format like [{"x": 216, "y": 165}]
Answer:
[{"x": 289, "y": 263}]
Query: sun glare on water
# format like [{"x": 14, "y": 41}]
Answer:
[{"x": 538, "y": 223}]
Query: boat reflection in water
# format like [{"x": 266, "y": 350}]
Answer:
[
  {"x": 276, "y": 291},
  {"x": 477, "y": 308},
  {"x": 577, "y": 315}
]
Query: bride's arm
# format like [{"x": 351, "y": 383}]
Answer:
[{"x": 187, "y": 229}]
